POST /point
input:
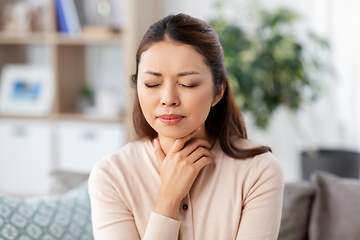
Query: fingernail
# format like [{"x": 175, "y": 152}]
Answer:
[{"x": 198, "y": 129}]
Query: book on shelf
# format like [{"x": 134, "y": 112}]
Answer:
[
  {"x": 80, "y": 9},
  {"x": 67, "y": 17}
]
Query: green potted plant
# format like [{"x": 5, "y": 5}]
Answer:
[{"x": 271, "y": 67}]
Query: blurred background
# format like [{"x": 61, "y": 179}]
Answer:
[{"x": 65, "y": 99}]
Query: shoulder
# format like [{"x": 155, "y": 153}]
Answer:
[
  {"x": 266, "y": 169},
  {"x": 267, "y": 166},
  {"x": 124, "y": 159},
  {"x": 132, "y": 148},
  {"x": 262, "y": 165},
  {"x": 129, "y": 150},
  {"x": 261, "y": 174}
]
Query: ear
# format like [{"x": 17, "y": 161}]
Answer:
[{"x": 219, "y": 94}]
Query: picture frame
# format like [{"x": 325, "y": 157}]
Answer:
[{"x": 26, "y": 90}]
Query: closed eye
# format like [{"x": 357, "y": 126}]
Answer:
[
  {"x": 188, "y": 86},
  {"x": 152, "y": 85}
]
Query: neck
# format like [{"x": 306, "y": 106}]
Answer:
[{"x": 167, "y": 143}]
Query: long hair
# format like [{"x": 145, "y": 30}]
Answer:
[{"x": 225, "y": 121}]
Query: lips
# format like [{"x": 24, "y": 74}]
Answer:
[{"x": 170, "y": 119}]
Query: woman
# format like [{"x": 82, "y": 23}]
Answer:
[{"x": 192, "y": 174}]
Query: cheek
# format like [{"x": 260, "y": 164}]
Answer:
[
  {"x": 145, "y": 101},
  {"x": 201, "y": 104}
]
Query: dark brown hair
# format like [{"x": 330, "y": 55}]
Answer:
[{"x": 225, "y": 121}]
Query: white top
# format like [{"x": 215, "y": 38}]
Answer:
[{"x": 230, "y": 198}]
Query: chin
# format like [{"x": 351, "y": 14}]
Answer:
[{"x": 174, "y": 133}]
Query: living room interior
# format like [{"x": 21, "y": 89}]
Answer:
[{"x": 66, "y": 102}]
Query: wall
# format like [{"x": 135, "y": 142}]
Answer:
[{"x": 332, "y": 121}]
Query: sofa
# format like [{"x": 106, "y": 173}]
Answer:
[{"x": 325, "y": 208}]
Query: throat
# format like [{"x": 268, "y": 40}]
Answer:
[{"x": 167, "y": 143}]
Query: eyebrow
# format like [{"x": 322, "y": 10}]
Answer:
[
  {"x": 180, "y": 74},
  {"x": 187, "y": 73},
  {"x": 153, "y": 73}
]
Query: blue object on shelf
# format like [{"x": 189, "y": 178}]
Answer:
[
  {"x": 67, "y": 16},
  {"x": 60, "y": 16}
]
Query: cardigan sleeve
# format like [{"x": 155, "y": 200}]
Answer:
[
  {"x": 262, "y": 203},
  {"x": 112, "y": 218}
]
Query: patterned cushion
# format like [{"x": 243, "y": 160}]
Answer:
[{"x": 53, "y": 217}]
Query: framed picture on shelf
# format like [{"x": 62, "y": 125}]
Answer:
[{"x": 26, "y": 90}]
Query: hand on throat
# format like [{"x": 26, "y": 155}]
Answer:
[{"x": 167, "y": 143}]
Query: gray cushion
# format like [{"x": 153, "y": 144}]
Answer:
[
  {"x": 336, "y": 208},
  {"x": 296, "y": 211},
  {"x": 64, "y": 181},
  {"x": 48, "y": 217}
]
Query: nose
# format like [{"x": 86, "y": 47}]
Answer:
[{"x": 170, "y": 97}]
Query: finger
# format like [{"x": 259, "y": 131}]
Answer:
[
  {"x": 159, "y": 153},
  {"x": 202, "y": 162},
  {"x": 180, "y": 142},
  {"x": 194, "y": 144},
  {"x": 198, "y": 154}
]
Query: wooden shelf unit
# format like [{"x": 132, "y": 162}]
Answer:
[
  {"x": 22, "y": 39},
  {"x": 66, "y": 139},
  {"x": 66, "y": 54}
]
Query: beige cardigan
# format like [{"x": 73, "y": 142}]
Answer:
[{"x": 230, "y": 199}]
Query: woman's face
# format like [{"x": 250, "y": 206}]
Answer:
[{"x": 175, "y": 89}]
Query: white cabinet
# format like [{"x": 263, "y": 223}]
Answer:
[
  {"x": 31, "y": 149},
  {"x": 80, "y": 145},
  {"x": 25, "y": 156}
]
